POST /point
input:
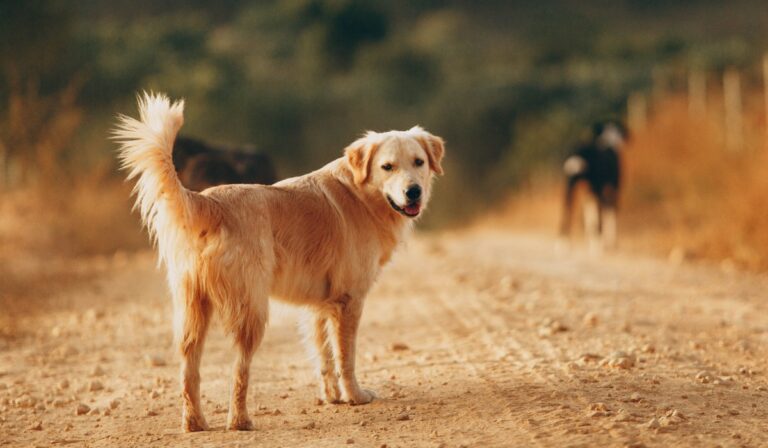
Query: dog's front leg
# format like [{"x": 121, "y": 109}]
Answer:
[
  {"x": 344, "y": 326},
  {"x": 315, "y": 328}
]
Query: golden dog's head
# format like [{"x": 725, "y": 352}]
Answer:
[{"x": 399, "y": 165}]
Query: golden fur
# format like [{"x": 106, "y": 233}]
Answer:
[{"x": 318, "y": 241}]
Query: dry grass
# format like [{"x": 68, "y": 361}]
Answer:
[
  {"x": 684, "y": 192},
  {"x": 91, "y": 217}
]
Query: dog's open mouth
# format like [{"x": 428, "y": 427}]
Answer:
[{"x": 411, "y": 210}]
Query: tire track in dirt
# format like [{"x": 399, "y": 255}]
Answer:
[{"x": 513, "y": 353}]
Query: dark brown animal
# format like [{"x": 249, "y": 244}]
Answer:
[{"x": 200, "y": 165}]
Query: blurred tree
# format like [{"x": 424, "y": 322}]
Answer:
[
  {"x": 351, "y": 25},
  {"x": 39, "y": 88}
]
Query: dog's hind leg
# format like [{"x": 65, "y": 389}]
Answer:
[
  {"x": 315, "y": 328},
  {"x": 344, "y": 323},
  {"x": 247, "y": 328},
  {"x": 608, "y": 216},
  {"x": 192, "y": 316},
  {"x": 570, "y": 190},
  {"x": 592, "y": 224}
]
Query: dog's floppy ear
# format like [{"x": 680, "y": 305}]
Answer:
[
  {"x": 434, "y": 147},
  {"x": 359, "y": 155}
]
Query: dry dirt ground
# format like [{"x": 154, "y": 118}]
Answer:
[{"x": 469, "y": 339}]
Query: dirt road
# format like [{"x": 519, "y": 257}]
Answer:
[{"x": 506, "y": 343}]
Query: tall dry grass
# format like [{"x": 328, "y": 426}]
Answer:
[
  {"x": 92, "y": 216},
  {"x": 686, "y": 191}
]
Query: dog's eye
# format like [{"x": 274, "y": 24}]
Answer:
[
  {"x": 386, "y": 167},
  {"x": 418, "y": 162}
]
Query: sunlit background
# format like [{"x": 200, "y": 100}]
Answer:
[
  {"x": 510, "y": 85},
  {"x": 485, "y": 329}
]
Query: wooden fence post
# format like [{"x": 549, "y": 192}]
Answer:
[
  {"x": 697, "y": 93},
  {"x": 637, "y": 111},
  {"x": 734, "y": 138},
  {"x": 765, "y": 94},
  {"x": 4, "y": 181}
]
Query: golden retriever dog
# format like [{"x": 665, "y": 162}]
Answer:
[{"x": 318, "y": 241}]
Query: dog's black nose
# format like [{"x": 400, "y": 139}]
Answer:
[{"x": 413, "y": 193}]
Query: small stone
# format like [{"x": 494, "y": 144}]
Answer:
[
  {"x": 677, "y": 415},
  {"x": 590, "y": 319},
  {"x": 310, "y": 425},
  {"x": 114, "y": 403},
  {"x": 94, "y": 314},
  {"x": 723, "y": 381},
  {"x": 59, "y": 403},
  {"x": 154, "y": 360},
  {"x": 653, "y": 424},
  {"x": 154, "y": 394},
  {"x": 403, "y": 417},
  {"x": 350, "y": 441},
  {"x": 63, "y": 384},
  {"x": 589, "y": 357},
  {"x": 648, "y": 348},
  {"x": 97, "y": 371},
  {"x": 277, "y": 412},
  {"x": 25, "y": 402},
  {"x": 82, "y": 409},
  {"x": 94, "y": 411},
  {"x": 151, "y": 413},
  {"x": 95, "y": 385},
  {"x": 37, "y": 426},
  {"x": 550, "y": 327},
  {"x": 635, "y": 397},
  {"x": 623, "y": 416},
  {"x": 704, "y": 377},
  {"x": 398, "y": 347},
  {"x": 621, "y": 360}
]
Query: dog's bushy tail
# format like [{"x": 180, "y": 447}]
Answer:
[{"x": 168, "y": 210}]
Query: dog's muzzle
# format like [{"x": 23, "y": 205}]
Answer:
[{"x": 411, "y": 210}]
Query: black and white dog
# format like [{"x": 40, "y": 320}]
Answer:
[{"x": 597, "y": 164}]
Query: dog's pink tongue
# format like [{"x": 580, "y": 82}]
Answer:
[{"x": 412, "y": 209}]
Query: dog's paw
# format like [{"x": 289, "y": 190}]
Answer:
[
  {"x": 240, "y": 423},
  {"x": 362, "y": 396},
  {"x": 329, "y": 392},
  {"x": 194, "y": 424}
]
